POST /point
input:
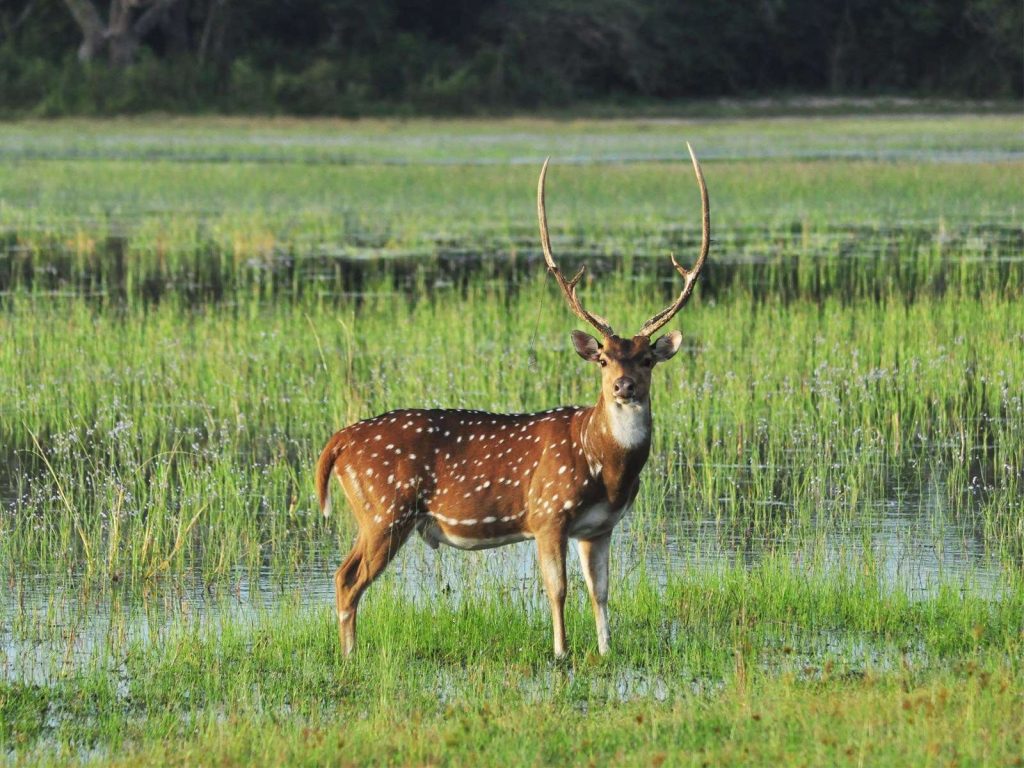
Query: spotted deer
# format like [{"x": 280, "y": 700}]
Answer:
[{"x": 475, "y": 480}]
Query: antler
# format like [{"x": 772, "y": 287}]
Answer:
[
  {"x": 568, "y": 287},
  {"x": 689, "y": 275}
]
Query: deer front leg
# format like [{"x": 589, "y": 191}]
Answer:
[
  {"x": 551, "y": 556},
  {"x": 594, "y": 561}
]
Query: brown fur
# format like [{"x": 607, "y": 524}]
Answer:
[{"x": 473, "y": 479}]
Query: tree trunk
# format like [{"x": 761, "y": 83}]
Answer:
[
  {"x": 122, "y": 40},
  {"x": 91, "y": 25},
  {"x": 123, "y": 33},
  {"x": 212, "y": 39},
  {"x": 176, "y": 27},
  {"x": 842, "y": 43}
]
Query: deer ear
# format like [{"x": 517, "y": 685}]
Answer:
[
  {"x": 586, "y": 346},
  {"x": 665, "y": 347}
]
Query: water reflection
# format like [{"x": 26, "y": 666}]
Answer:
[
  {"x": 771, "y": 262},
  {"x": 911, "y": 542}
]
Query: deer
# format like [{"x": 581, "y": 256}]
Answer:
[{"x": 475, "y": 480}]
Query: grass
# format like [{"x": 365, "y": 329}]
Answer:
[
  {"x": 727, "y": 670},
  {"x": 853, "y": 723},
  {"x": 248, "y": 210},
  {"x": 511, "y": 141},
  {"x": 140, "y": 434},
  {"x": 824, "y": 565},
  {"x": 178, "y": 200}
]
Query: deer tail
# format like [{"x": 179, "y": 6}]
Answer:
[{"x": 324, "y": 470}]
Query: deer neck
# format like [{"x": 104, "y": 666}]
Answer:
[{"x": 616, "y": 440}]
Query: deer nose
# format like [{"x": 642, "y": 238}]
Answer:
[{"x": 624, "y": 387}]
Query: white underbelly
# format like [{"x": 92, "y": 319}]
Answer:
[
  {"x": 433, "y": 535},
  {"x": 596, "y": 520}
]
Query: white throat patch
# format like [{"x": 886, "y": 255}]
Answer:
[{"x": 630, "y": 424}]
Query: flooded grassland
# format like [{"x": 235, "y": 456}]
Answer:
[{"x": 826, "y": 560}]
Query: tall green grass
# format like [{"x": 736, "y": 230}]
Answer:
[
  {"x": 189, "y": 309},
  {"x": 108, "y": 227},
  {"x": 135, "y": 435}
]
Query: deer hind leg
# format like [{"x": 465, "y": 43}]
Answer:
[
  {"x": 551, "y": 556},
  {"x": 344, "y": 579},
  {"x": 594, "y": 561},
  {"x": 369, "y": 557}
]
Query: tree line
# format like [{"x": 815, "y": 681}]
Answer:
[{"x": 350, "y": 57}]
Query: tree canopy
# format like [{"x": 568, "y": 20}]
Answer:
[{"x": 463, "y": 56}]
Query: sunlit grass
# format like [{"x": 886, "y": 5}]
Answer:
[
  {"x": 244, "y": 209},
  {"x": 138, "y": 433},
  {"x": 181, "y": 337},
  {"x": 730, "y": 652}
]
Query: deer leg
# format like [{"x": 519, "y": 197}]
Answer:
[
  {"x": 551, "y": 556},
  {"x": 344, "y": 579},
  {"x": 370, "y": 555},
  {"x": 594, "y": 561}
]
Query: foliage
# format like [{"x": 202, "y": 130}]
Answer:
[{"x": 346, "y": 57}]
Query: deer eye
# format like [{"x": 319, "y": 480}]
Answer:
[
  {"x": 648, "y": 362},
  {"x": 602, "y": 362}
]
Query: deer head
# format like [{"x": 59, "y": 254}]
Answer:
[{"x": 626, "y": 364}]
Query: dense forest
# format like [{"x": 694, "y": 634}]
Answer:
[{"x": 350, "y": 57}]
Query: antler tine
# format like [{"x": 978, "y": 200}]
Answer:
[
  {"x": 568, "y": 287},
  {"x": 689, "y": 275}
]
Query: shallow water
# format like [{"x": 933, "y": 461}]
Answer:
[
  {"x": 51, "y": 622},
  {"x": 783, "y": 262}
]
